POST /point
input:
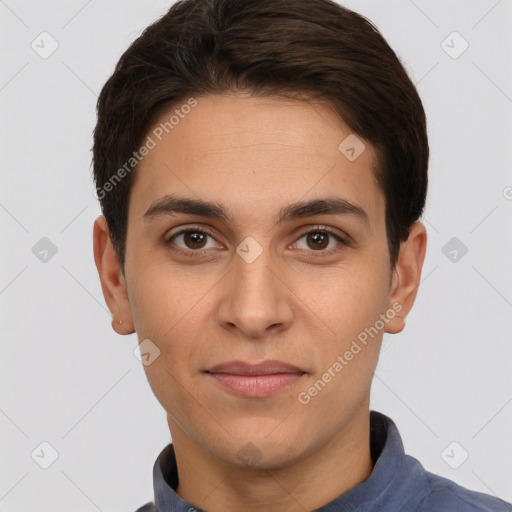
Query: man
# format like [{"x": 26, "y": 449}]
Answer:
[{"x": 261, "y": 167}]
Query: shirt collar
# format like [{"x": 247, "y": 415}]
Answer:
[{"x": 396, "y": 479}]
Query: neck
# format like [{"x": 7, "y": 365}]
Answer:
[{"x": 310, "y": 483}]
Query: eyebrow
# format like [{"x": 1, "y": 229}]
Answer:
[{"x": 170, "y": 205}]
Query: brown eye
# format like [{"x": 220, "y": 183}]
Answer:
[
  {"x": 321, "y": 240},
  {"x": 191, "y": 241},
  {"x": 195, "y": 239},
  {"x": 317, "y": 240}
]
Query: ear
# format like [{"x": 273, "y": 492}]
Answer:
[
  {"x": 407, "y": 276},
  {"x": 112, "y": 278}
]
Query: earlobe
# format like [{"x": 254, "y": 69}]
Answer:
[
  {"x": 407, "y": 276},
  {"x": 112, "y": 280},
  {"x": 396, "y": 325},
  {"x": 118, "y": 326}
]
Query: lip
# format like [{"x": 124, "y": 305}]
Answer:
[
  {"x": 267, "y": 367},
  {"x": 255, "y": 380}
]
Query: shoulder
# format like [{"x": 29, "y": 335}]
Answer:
[
  {"x": 444, "y": 494},
  {"x": 148, "y": 507}
]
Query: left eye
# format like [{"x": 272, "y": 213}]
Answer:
[
  {"x": 321, "y": 240},
  {"x": 192, "y": 239}
]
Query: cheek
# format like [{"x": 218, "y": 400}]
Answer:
[
  {"x": 347, "y": 356},
  {"x": 345, "y": 301},
  {"x": 167, "y": 318},
  {"x": 165, "y": 300},
  {"x": 169, "y": 308}
]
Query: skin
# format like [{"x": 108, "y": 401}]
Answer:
[{"x": 297, "y": 302}]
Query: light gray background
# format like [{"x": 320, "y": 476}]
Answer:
[{"x": 69, "y": 380}]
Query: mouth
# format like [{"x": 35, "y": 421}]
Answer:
[{"x": 255, "y": 380}]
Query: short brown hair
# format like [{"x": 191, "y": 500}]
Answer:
[{"x": 266, "y": 47}]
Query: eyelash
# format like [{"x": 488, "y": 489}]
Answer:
[{"x": 196, "y": 253}]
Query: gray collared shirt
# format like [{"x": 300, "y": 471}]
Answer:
[{"x": 398, "y": 482}]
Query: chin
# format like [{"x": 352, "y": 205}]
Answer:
[{"x": 264, "y": 452}]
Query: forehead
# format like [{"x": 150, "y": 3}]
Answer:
[
  {"x": 235, "y": 147},
  {"x": 242, "y": 122}
]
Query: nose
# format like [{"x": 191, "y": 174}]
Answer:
[{"x": 255, "y": 298}]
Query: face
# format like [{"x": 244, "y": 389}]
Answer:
[{"x": 252, "y": 238}]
